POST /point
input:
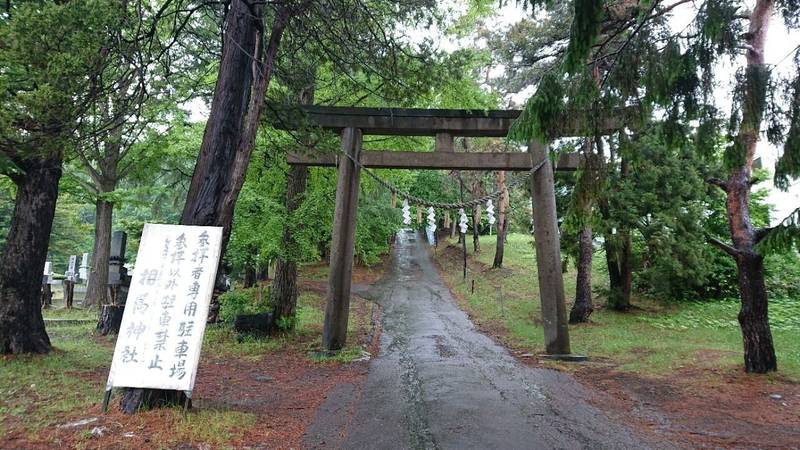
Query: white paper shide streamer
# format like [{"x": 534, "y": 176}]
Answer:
[
  {"x": 431, "y": 219},
  {"x": 490, "y": 212},
  {"x": 462, "y": 221},
  {"x": 406, "y": 213}
]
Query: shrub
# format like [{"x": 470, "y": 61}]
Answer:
[{"x": 242, "y": 301}]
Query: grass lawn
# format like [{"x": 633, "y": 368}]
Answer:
[
  {"x": 39, "y": 393},
  {"x": 654, "y": 340}
]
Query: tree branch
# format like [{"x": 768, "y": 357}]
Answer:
[
  {"x": 722, "y": 184},
  {"x": 723, "y": 246},
  {"x": 761, "y": 233}
]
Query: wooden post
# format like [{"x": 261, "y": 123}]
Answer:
[
  {"x": 548, "y": 253},
  {"x": 334, "y": 333},
  {"x": 69, "y": 293}
]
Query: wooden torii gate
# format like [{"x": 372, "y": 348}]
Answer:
[{"x": 444, "y": 124}]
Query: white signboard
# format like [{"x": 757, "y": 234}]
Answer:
[{"x": 165, "y": 313}]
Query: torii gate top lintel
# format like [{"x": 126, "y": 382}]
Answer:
[
  {"x": 414, "y": 121},
  {"x": 445, "y": 124},
  {"x": 455, "y": 122}
]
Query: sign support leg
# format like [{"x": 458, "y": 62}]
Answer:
[
  {"x": 187, "y": 402},
  {"x": 106, "y": 399}
]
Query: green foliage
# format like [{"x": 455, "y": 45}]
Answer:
[
  {"x": 242, "y": 301},
  {"x": 45, "y": 77},
  {"x": 583, "y": 33},
  {"x": 377, "y": 222},
  {"x": 788, "y": 165},
  {"x": 72, "y": 232},
  {"x": 542, "y": 114},
  {"x": 790, "y": 9},
  {"x": 258, "y": 219},
  {"x": 719, "y": 30},
  {"x": 7, "y": 194},
  {"x": 784, "y": 237},
  {"x": 783, "y": 275}
]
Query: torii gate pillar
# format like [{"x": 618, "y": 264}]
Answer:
[
  {"x": 334, "y": 333},
  {"x": 548, "y": 253}
]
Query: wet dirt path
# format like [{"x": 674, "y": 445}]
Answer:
[{"x": 440, "y": 384}]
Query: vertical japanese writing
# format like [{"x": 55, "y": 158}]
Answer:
[
  {"x": 166, "y": 302},
  {"x": 186, "y": 325}
]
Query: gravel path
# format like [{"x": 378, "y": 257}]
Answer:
[{"x": 440, "y": 384}]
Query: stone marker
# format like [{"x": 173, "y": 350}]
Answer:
[
  {"x": 116, "y": 272},
  {"x": 70, "y": 275},
  {"x": 118, "y": 284},
  {"x": 83, "y": 271},
  {"x": 47, "y": 292},
  {"x": 69, "y": 283}
]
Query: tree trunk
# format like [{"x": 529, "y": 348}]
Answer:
[
  {"x": 97, "y": 290},
  {"x": 284, "y": 287},
  {"x": 137, "y": 399},
  {"x": 69, "y": 293},
  {"x": 501, "y": 221},
  {"x": 47, "y": 296},
  {"x": 626, "y": 270},
  {"x": 263, "y": 272},
  {"x": 230, "y": 131},
  {"x": 225, "y": 123},
  {"x": 612, "y": 264},
  {"x": 21, "y": 325},
  {"x": 583, "y": 307},
  {"x": 759, "y": 352},
  {"x": 110, "y": 319},
  {"x": 227, "y": 143},
  {"x": 618, "y": 249},
  {"x": 619, "y": 271},
  {"x": 249, "y": 276},
  {"x": 476, "y": 225}
]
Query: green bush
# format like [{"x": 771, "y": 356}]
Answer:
[
  {"x": 242, "y": 301},
  {"x": 783, "y": 275}
]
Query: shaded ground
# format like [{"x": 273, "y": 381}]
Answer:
[
  {"x": 697, "y": 402},
  {"x": 439, "y": 383},
  {"x": 249, "y": 394},
  {"x": 702, "y": 410}
]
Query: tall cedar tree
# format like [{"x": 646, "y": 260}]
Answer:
[
  {"x": 679, "y": 79},
  {"x": 46, "y": 89}
]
